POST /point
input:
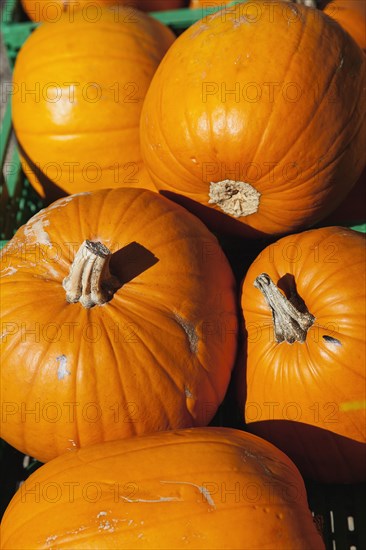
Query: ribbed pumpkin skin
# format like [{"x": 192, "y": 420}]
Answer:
[
  {"x": 81, "y": 126},
  {"x": 254, "y": 106},
  {"x": 317, "y": 384},
  {"x": 158, "y": 356},
  {"x": 210, "y": 488},
  {"x": 351, "y": 15},
  {"x": 49, "y": 10}
]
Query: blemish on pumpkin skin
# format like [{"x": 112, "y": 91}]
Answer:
[
  {"x": 73, "y": 445},
  {"x": 8, "y": 271},
  {"x": 190, "y": 402},
  {"x": 188, "y": 393},
  {"x": 106, "y": 526},
  {"x": 4, "y": 335},
  {"x": 200, "y": 29},
  {"x": 203, "y": 490},
  {"x": 190, "y": 331},
  {"x": 148, "y": 500},
  {"x": 331, "y": 340},
  {"x": 62, "y": 370},
  {"x": 49, "y": 540},
  {"x": 240, "y": 21},
  {"x": 35, "y": 230}
]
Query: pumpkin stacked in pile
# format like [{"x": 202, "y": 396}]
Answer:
[{"x": 132, "y": 310}]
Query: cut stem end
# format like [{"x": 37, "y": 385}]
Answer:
[{"x": 236, "y": 198}]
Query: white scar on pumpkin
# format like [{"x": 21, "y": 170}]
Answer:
[
  {"x": 62, "y": 370},
  {"x": 203, "y": 490},
  {"x": 35, "y": 230},
  {"x": 160, "y": 499},
  {"x": 8, "y": 271}
]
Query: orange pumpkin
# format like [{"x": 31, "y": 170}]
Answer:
[
  {"x": 199, "y": 488},
  {"x": 51, "y": 10},
  {"x": 77, "y": 102},
  {"x": 303, "y": 301},
  {"x": 351, "y": 15},
  {"x": 256, "y": 146},
  {"x": 118, "y": 318}
]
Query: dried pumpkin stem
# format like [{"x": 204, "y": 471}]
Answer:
[
  {"x": 290, "y": 324},
  {"x": 236, "y": 198},
  {"x": 90, "y": 281}
]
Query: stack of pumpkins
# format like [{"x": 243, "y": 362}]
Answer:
[{"x": 124, "y": 328}]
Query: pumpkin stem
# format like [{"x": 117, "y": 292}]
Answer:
[
  {"x": 90, "y": 281},
  {"x": 290, "y": 324},
  {"x": 236, "y": 198}
]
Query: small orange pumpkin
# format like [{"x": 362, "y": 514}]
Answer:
[
  {"x": 303, "y": 302},
  {"x": 51, "y": 10},
  {"x": 199, "y": 488},
  {"x": 79, "y": 88},
  {"x": 119, "y": 317},
  {"x": 256, "y": 147}
]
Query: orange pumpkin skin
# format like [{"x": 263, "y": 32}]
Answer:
[
  {"x": 79, "y": 129},
  {"x": 233, "y": 122},
  {"x": 351, "y": 15},
  {"x": 309, "y": 398},
  {"x": 199, "y": 488},
  {"x": 194, "y": 4},
  {"x": 157, "y": 356},
  {"x": 51, "y": 10}
]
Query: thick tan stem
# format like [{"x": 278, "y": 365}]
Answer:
[
  {"x": 90, "y": 281},
  {"x": 290, "y": 324},
  {"x": 236, "y": 198}
]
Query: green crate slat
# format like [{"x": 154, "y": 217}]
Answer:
[
  {"x": 7, "y": 15},
  {"x": 12, "y": 181},
  {"x": 5, "y": 134}
]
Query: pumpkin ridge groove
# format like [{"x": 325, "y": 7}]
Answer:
[{"x": 286, "y": 70}]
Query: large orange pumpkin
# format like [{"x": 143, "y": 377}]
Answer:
[
  {"x": 199, "y": 488},
  {"x": 303, "y": 302},
  {"x": 268, "y": 134},
  {"x": 79, "y": 86},
  {"x": 103, "y": 343},
  {"x": 51, "y": 10}
]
